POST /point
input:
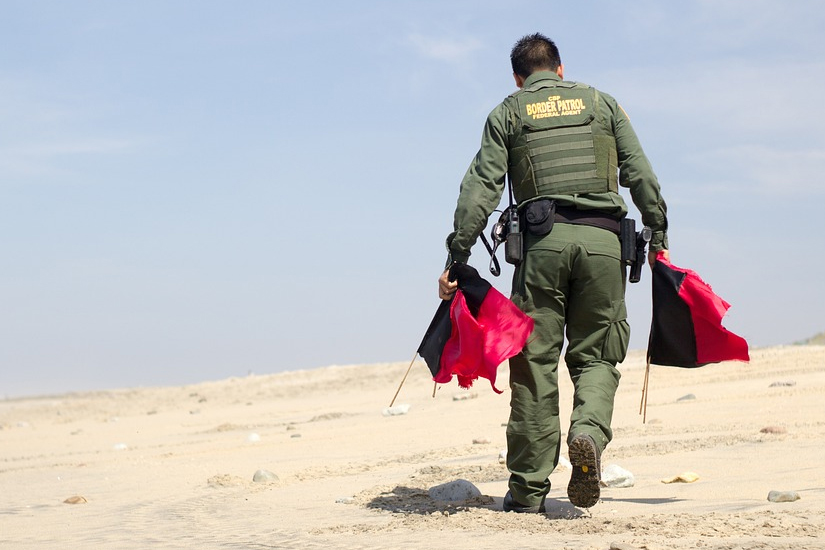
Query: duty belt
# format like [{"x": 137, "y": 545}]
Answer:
[{"x": 593, "y": 218}]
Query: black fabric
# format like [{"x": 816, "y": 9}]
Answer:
[
  {"x": 475, "y": 289},
  {"x": 672, "y": 337},
  {"x": 432, "y": 345},
  {"x": 473, "y": 286}
]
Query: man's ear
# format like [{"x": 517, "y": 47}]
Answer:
[
  {"x": 560, "y": 71},
  {"x": 519, "y": 80}
]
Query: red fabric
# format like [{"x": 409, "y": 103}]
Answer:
[
  {"x": 478, "y": 345},
  {"x": 714, "y": 343}
]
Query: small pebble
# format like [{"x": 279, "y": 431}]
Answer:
[
  {"x": 481, "y": 441},
  {"x": 454, "y": 491},
  {"x": 783, "y": 496},
  {"x": 564, "y": 464},
  {"x": 502, "y": 457},
  {"x": 688, "y": 397},
  {"x": 76, "y": 500},
  {"x": 295, "y": 436},
  {"x": 291, "y": 427},
  {"x": 344, "y": 500},
  {"x": 396, "y": 411},
  {"x": 773, "y": 430},
  {"x": 622, "y": 546},
  {"x": 120, "y": 447},
  {"x": 253, "y": 438},
  {"x": 783, "y": 384},
  {"x": 264, "y": 476}
]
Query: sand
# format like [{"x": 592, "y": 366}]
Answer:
[{"x": 173, "y": 467}]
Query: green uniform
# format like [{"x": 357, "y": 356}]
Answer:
[{"x": 571, "y": 143}]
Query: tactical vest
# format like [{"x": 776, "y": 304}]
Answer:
[{"x": 559, "y": 147}]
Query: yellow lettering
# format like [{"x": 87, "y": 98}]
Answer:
[
  {"x": 569, "y": 106},
  {"x": 555, "y": 106}
]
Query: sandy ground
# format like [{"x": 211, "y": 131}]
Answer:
[{"x": 173, "y": 467}]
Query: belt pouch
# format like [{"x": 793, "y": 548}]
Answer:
[
  {"x": 540, "y": 216},
  {"x": 514, "y": 249},
  {"x": 627, "y": 236}
]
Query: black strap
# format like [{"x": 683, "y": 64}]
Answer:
[{"x": 495, "y": 268}]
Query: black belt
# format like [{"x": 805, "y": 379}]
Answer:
[{"x": 593, "y": 218}]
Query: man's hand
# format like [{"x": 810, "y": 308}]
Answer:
[
  {"x": 651, "y": 256},
  {"x": 446, "y": 289}
]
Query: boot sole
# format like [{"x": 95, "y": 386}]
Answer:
[{"x": 583, "y": 489}]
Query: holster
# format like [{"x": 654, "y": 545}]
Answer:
[{"x": 633, "y": 247}]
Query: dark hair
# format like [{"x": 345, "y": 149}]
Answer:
[{"x": 534, "y": 52}]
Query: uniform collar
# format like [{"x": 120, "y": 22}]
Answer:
[{"x": 540, "y": 75}]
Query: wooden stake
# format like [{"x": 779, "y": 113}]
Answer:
[
  {"x": 645, "y": 390},
  {"x": 403, "y": 379},
  {"x": 435, "y": 387}
]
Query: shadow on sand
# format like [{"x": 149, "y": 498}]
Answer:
[
  {"x": 669, "y": 500},
  {"x": 415, "y": 500}
]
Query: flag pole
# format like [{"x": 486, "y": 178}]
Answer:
[
  {"x": 435, "y": 387},
  {"x": 645, "y": 389},
  {"x": 403, "y": 379}
]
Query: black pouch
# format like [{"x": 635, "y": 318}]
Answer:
[
  {"x": 627, "y": 237},
  {"x": 540, "y": 216},
  {"x": 513, "y": 249}
]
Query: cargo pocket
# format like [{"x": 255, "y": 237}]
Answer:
[{"x": 614, "y": 349}]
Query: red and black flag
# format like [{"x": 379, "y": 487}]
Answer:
[
  {"x": 474, "y": 332},
  {"x": 686, "y": 330}
]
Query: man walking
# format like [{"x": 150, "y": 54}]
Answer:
[{"x": 567, "y": 148}]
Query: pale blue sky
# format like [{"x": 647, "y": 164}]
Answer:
[{"x": 194, "y": 190}]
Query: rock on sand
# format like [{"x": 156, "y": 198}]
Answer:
[{"x": 454, "y": 491}]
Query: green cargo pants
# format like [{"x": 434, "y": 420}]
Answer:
[{"x": 570, "y": 278}]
